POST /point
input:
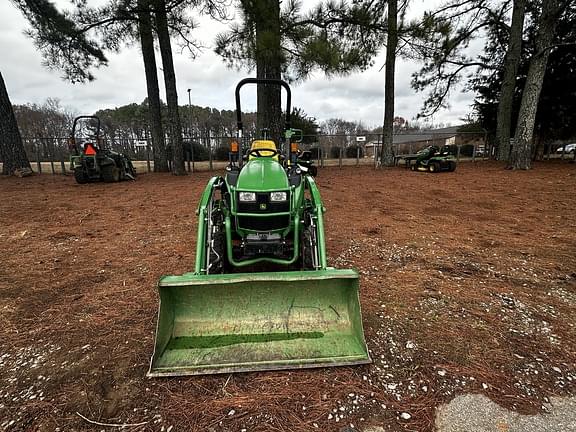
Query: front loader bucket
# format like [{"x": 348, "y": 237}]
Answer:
[{"x": 258, "y": 321}]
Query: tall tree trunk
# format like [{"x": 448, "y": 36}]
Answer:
[
  {"x": 504, "y": 119},
  {"x": 154, "y": 106},
  {"x": 266, "y": 15},
  {"x": 174, "y": 127},
  {"x": 12, "y": 153},
  {"x": 522, "y": 149},
  {"x": 387, "y": 153}
]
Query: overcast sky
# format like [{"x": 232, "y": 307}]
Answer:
[{"x": 358, "y": 97}]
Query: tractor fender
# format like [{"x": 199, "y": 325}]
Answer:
[{"x": 106, "y": 161}]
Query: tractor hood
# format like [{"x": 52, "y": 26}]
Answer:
[{"x": 262, "y": 174}]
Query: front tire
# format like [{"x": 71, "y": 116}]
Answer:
[
  {"x": 309, "y": 253},
  {"x": 80, "y": 175},
  {"x": 111, "y": 174},
  {"x": 307, "y": 250},
  {"x": 218, "y": 257},
  {"x": 215, "y": 246}
]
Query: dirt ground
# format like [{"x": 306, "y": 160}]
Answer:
[{"x": 468, "y": 285}]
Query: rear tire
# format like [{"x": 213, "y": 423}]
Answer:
[
  {"x": 122, "y": 173},
  {"x": 130, "y": 170},
  {"x": 452, "y": 167},
  {"x": 111, "y": 173},
  {"x": 434, "y": 167},
  {"x": 80, "y": 175}
]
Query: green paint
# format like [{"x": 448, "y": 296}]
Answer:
[
  {"x": 261, "y": 175},
  {"x": 235, "y": 322},
  {"x": 248, "y": 262},
  {"x": 210, "y": 323},
  {"x": 205, "y": 201},
  {"x": 204, "y": 342}
]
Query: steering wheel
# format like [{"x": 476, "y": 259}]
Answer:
[{"x": 263, "y": 152}]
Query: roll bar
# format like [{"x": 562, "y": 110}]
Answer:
[
  {"x": 86, "y": 117},
  {"x": 262, "y": 81}
]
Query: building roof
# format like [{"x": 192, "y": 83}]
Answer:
[{"x": 426, "y": 135}]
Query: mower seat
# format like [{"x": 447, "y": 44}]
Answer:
[{"x": 263, "y": 144}]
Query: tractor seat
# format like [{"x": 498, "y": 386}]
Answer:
[{"x": 263, "y": 144}]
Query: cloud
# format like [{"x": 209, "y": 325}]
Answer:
[{"x": 358, "y": 97}]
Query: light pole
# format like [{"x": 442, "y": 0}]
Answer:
[
  {"x": 189, "y": 113},
  {"x": 190, "y": 129}
]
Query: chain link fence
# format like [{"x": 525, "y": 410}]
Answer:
[{"x": 203, "y": 152}]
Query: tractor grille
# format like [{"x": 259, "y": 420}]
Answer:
[
  {"x": 264, "y": 223},
  {"x": 263, "y": 199}
]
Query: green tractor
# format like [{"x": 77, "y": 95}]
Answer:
[
  {"x": 91, "y": 162},
  {"x": 432, "y": 159},
  {"x": 261, "y": 296}
]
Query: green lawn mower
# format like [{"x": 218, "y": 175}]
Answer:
[
  {"x": 432, "y": 159},
  {"x": 91, "y": 162},
  {"x": 261, "y": 296}
]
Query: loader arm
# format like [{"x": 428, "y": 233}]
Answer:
[
  {"x": 318, "y": 212},
  {"x": 202, "y": 213}
]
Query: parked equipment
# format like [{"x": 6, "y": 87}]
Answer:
[
  {"x": 261, "y": 296},
  {"x": 91, "y": 162},
  {"x": 432, "y": 159}
]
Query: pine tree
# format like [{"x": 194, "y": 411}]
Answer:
[
  {"x": 556, "y": 106},
  {"x": 12, "y": 154},
  {"x": 65, "y": 47},
  {"x": 512, "y": 61},
  {"x": 521, "y": 157},
  {"x": 174, "y": 126},
  {"x": 387, "y": 154},
  {"x": 282, "y": 42},
  {"x": 154, "y": 104}
]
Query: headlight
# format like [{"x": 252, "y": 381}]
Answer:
[
  {"x": 248, "y": 196},
  {"x": 278, "y": 196}
]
